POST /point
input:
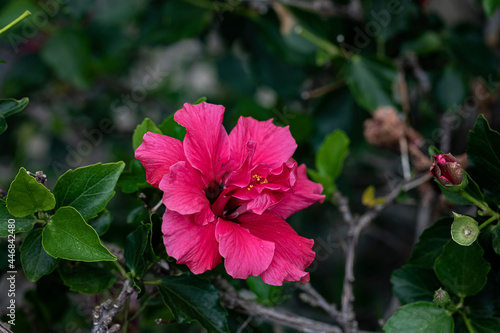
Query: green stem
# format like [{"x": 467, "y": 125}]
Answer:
[
  {"x": 152, "y": 281},
  {"x": 125, "y": 316},
  {"x": 120, "y": 269},
  {"x": 143, "y": 306},
  {"x": 467, "y": 322},
  {"x": 16, "y": 21},
  {"x": 484, "y": 207},
  {"x": 488, "y": 221},
  {"x": 332, "y": 49}
]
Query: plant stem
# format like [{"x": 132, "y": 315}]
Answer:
[
  {"x": 16, "y": 21},
  {"x": 120, "y": 269},
  {"x": 332, "y": 49},
  {"x": 467, "y": 322},
  {"x": 484, "y": 207},
  {"x": 151, "y": 281},
  {"x": 488, "y": 221}
]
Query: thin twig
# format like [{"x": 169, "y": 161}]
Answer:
[
  {"x": 356, "y": 226},
  {"x": 315, "y": 299},
  {"x": 232, "y": 300},
  {"x": 103, "y": 314}
]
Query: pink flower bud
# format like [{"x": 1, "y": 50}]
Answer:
[{"x": 446, "y": 169}]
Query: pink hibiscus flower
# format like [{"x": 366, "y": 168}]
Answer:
[{"x": 226, "y": 196}]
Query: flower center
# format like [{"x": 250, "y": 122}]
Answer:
[
  {"x": 256, "y": 179},
  {"x": 212, "y": 191}
]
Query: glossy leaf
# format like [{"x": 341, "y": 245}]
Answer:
[
  {"x": 171, "y": 128},
  {"x": 462, "y": 269},
  {"x": 131, "y": 180},
  {"x": 22, "y": 224},
  {"x": 68, "y": 236},
  {"x": 330, "y": 159},
  {"x": 27, "y": 196},
  {"x": 87, "y": 278},
  {"x": 483, "y": 151},
  {"x": 35, "y": 261},
  {"x": 266, "y": 294},
  {"x": 413, "y": 283},
  {"x": 370, "y": 81},
  {"x": 137, "y": 242},
  {"x": 420, "y": 317},
  {"x": 194, "y": 299},
  {"x": 102, "y": 222},
  {"x": 146, "y": 126},
  {"x": 496, "y": 239},
  {"x": 88, "y": 189},
  {"x": 430, "y": 243},
  {"x": 8, "y": 107},
  {"x": 486, "y": 325}
]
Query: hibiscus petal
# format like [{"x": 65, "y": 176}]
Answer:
[
  {"x": 275, "y": 145},
  {"x": 189, "y": 243},
  {"x": 183, "y": 192},
  {"x": 264, "y": 201},
  {"x": 157, "y": 154},
  {"x": 292, "y": 253},
  {"x": 305, "y": 193},
  {"x": 245, "y": 255},
  {"x": 206, "y": 142}
]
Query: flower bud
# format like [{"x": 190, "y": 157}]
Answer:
[
  {"x": 441, "y": 298},
  {"x": 446, "y": 169},
  {"x": 464, "y": 229}
]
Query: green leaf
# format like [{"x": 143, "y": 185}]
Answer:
[
  {"x": 462, "y": 269},
  {"x": 136, "y": 245},
  {"x": 89, "y": 188},
  {"x": 194, "y": 299},
  {"x": 8, "y": 107},
  {"x": 200, "y": 100},
  {"x": 68, "y": 236},
  {"x": 472, "y": 189},
  {"x": 266, "y": 294},
  {"x": 450, "y": 89},
  {"x": 420, "y": 317},
  {"x": 27, "y": 196},
  {"x": 370, "y": 81},
  {"x": 147, "y": 125},
  {"x": 462, "y": 38},
  {"x": 332, "y": 153},
  {"x": 485, "y": 325},
  {"x": 156, "y": 249},
  {"x": 22, "y": 224},
  {"x": 171, "y": 128},
  {"x": 67, "y": 52},
  {"x": 87, "y": 278},
  {"x": 490, "y": 6},
  {"x": 413, "y": 283},
  {"x": 35, "y": 261},
  {"x": 483, "y": 151},
  {"x": 131, "y": 180},
  {"x": 496, "y": 239},
  {"x": 102, "y": 222},
  {"x": 430, "y": 244},
  {"x": 325, "y": 180}
]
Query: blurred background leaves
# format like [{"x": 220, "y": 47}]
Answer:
[{"x": 94, "y": 70}]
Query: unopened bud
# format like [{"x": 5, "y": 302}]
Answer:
[
  {"x": 446, "y": 169},
  {"x": 441, "y": 298}
]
